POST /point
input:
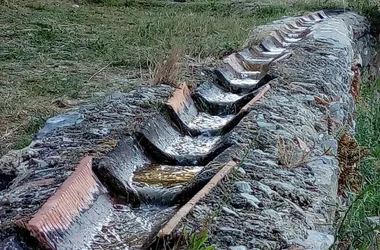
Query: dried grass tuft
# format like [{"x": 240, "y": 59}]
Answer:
[
  {"x": 167, "y": 71},
  {"x": 291, "y": 156},
  {"x": 355, "y": 85},
  {"x": 349, "y": 154}
]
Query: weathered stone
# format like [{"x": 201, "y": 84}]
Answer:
[
  {"x": 337, "y": 111},
  {"x": 266, "y": 189},
  {"x": 291, "y": 200},
  {"x": 238, "y": 248},
  {"x": 231, "y": 230},
  {"x": 59, "y": 121},
  {"x": 243, "y": 187},
  {"x": 298, "y": 199},
  {"x": 375, "y": 220},
  {"x": 230, "y": 211},
  {"x": 251, "y": 199},
  {"x": 241, "y": 171},
  {"x": 273, "y": 214},
  {"x": 316, "y": 240},
  {"x": 10, "y": 243}
]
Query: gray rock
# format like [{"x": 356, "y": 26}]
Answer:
[
  {"x": 231, "y": 230},
  {"x": 326, "y": 176},
  {"x": 330, "y": 145},
  {"x": 270, "y": 163},
  {"x": 266, "y": 125},
  {"x": 41, "y": 163},
  {"x": 100, "y": 131},
  {"x": 316, "y": 240},
  {"x": 241, "y": 171},
  {"x": 59, "y": 121},
  {"x": 251, "y": 199},
  {"x": 266, "y": 189},
  {"x": 375, "y": 220},
  {"x": 273, "y": 214},
  {"x": 230, "y": 211},
  {"x": 329, "y": 160},
  {"x": 10, "y": 243},
  {"x": 337, "y": 111},
  {"x": 238, "y": 248},
  {"x": 243, "y": 187}
]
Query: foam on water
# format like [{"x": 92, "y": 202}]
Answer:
[
  {"x": 245, "y": 81},
  {"x": 205, "y": 121},
  {"x": 128, "y": 228},
  {"x": 187, "y": 145}
]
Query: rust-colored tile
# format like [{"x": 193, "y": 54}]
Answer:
[
  {"x": 279, "y": 39},
  {"x": 255, "y": 99},
  {"x": 295, "y": 28},
  {"x": 315, "y": 16},
  {"x": 180, "y": 98},
  {"x": 322, "y": 14},
  {"x": 234, "y": 62},
  {"x": 57, "y": 214}
]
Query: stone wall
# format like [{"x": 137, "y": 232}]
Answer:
[{"x": 284, "y": 194}]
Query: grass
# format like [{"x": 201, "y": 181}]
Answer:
[
  {"x": 81, "y": 50},
  {"x": 54, "y": 50},
  {"x": 167, "y": 71},
  {"x": 354, "y": 231}
]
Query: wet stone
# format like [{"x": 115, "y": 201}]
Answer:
[{"x": 166, "y": 175}]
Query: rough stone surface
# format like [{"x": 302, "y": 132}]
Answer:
[
  {"x": 296, "y": 199},
  {"x": 238, "y": 248},
  {"x": 243, "y": 186},
  {"x": 10, "y": 243},
  {"x": 316, "y": 240},
  {"x": 41, "y": 167},
  {"x": 269, "y": 203}
]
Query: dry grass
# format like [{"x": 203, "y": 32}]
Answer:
[
  {"x": 291, "y": 155},
  {"x": 349, "y": 154},
  {"x": 167, "y": 71},
  {"x": 359, "y": 179}
]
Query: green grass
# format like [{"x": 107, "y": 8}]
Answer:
[
  {"x": 354, "y": 231},
  {"x": 50, "y": 50}
]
